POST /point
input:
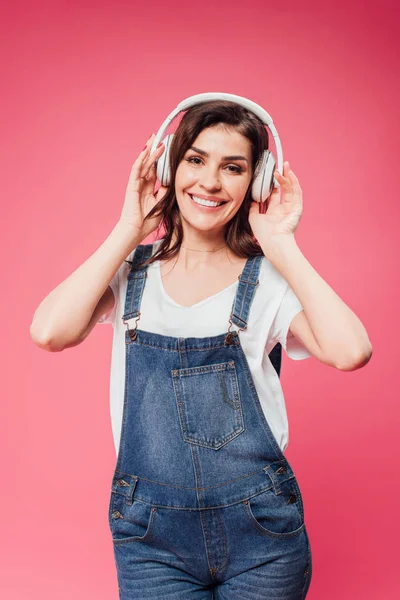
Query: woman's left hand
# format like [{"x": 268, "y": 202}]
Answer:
[{"x": 283, "y": 214}]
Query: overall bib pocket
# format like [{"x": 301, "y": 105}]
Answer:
[
  {"x": 277, "y": 515},
  {"x": 209, "y": 404},
  {"x": 130, "y": 522}
]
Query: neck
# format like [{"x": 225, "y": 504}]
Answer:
[{"x": 203, "y": 248}]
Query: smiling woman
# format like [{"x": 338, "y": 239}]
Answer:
[
  {"x": 216, "y": 426},
  {"x": 198, "y": 414}
]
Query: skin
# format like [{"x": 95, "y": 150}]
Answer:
[
  {"x": 205, "y": 263},
  {"x": 204, "y": 230}
]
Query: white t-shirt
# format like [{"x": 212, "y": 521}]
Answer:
[{"x": 273, "y": 307}]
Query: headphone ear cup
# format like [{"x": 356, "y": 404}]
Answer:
[
  {"x": 264, "y": 180},
  {"x": 163, "y": 168}
]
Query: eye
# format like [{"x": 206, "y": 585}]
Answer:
[
  {"x": 189, "y": 160},
  {"x": 236, "y": 168}
]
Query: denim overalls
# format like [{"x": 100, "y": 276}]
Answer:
[{"x": 203, "y": 504}]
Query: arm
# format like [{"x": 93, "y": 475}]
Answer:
[
  {"x": 67, "y": 315},
  {"x": 104, "y": 306},
  {"x": 326, "y": 326}
]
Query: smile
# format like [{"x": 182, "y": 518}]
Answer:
[{"x": 206, "y": 203}]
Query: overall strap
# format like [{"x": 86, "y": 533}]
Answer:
[
  {"x": 248, "y": 281},
  {"x": 136, "y": 282}
]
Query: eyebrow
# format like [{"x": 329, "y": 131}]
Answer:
[{"x": 233, "y": 157}]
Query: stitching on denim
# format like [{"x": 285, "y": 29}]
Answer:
[
  {"x": 267, "y": 532},
  {"x": 222, "y": 442},
  {"x": 232, "y": 403},
  {"x": 146, "y": 536},
  {"x": 222, "y": 537},
  {"x": 245, "y": 294},
  {"x": 257, "y": 405},
  {"x": 307, "y": 569},
  {"x": 299, "y": 497},
  {"x": 179, "y": 405},
  {"x": 206, "y": 534},
  {"x": 124, "y": 416},
  {"x": 204, "y": 369},
  {"x": 198, "y": 508},
  {"x": 221, "y": 345},
  {"x": 182, "y": 404},
  {"x": 182, "y": 487}
]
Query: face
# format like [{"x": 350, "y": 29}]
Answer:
[{"x": 216, "y": 168}]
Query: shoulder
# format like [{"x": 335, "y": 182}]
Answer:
[
  {"x": 144, "y": 248},
  {"x": 271, "y": 279}
]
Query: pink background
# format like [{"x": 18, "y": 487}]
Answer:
[{"x": 84, "y": 85}]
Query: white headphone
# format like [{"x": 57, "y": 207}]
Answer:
[{"x": 264, "y": 180}]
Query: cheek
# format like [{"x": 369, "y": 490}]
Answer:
[
  {"x": 239, "y": 186},
  {"x": 238, "y": 194},
  {"x": 184, "y": 176}
]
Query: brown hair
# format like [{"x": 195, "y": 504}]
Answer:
[{"x": 238, "y": 233}]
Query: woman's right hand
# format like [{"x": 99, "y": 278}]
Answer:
[{"x": 139, "y": 197}]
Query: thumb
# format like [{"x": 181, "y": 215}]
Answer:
[{"x": 274, "y": 198}]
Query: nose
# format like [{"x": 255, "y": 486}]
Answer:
[{"x": 210, "y": 179}]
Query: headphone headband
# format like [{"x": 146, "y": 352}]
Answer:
[{"x": 245, "y": 102}]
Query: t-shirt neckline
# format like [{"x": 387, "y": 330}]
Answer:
[{"x": 157, "y": 265}]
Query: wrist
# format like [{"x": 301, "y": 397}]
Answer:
[
  {"x": 126, "y": 234},
  {"x": 280, "y": 246}
]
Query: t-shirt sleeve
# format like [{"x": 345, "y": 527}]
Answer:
[
  {"x": 288, "y": 309},
  {"x": 110, "y": 316},
  {"x": 115, "y": 285}
]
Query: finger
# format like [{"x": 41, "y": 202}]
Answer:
[
  {"x": 144, "y": 153},
  {"x": 140, "y": 159},
  {"x": 294, "y": 179},
  {"x": 154, "y": 155},
  {"x": 136, "y": 170},
  {"x": 146, "y": 149},
  {"x": 135, "y": 181},
  {"x": 149, "y": 165},
  {"x": 290, "y": 174},
  {"x": 286, "y": 182},
  {"x": 280, "y": 179},
  {"x": 278, "y": 176}
]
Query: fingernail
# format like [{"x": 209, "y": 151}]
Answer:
[
  {"x": 160, "y": 144},
  {"x": 144, "y": 147}
]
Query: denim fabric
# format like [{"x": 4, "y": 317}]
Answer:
[{"x": 203, "y": 503}]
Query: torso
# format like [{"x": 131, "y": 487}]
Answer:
[{"x": 202, "y": 283}]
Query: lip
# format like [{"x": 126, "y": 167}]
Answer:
[{"x": 213, "y": 199}]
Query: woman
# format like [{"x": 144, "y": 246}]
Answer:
[{"x": 203, "y": 501}]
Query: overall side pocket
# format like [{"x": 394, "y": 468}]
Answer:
[
  {"x": 130, "y": 522},
  {"x": 276, "y": 515}
]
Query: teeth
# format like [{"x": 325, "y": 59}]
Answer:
[{"x": 205, "y": 202}]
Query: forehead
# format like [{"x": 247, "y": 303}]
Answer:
[{"x": 221, "y": 141}]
